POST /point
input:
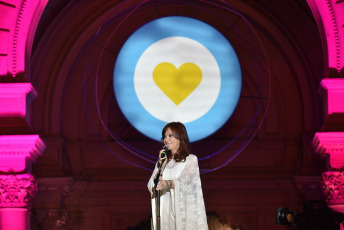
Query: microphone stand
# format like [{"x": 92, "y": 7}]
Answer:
[
  {"x": 156, "y": 181},
  {"x": 158, "y": 222}
]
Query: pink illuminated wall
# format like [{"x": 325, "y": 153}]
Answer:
[
  {"x": 17, "y": 190},
  {"x": 15, "y": 98},
  {"x": 329, "y": 15},
  {"x": 18, "y": 22},
  {"x": 331, "y": 144},
  {"x": 334, "y": 95},
  {"x": 18, "y": 152}
]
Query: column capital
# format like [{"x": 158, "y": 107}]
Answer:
[
  {"x": 16, "y": 191},
  {"x": 333, "y": 187}
]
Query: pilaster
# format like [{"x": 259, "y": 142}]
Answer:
[
  {"x": 330, "y": 143},
  {"x": 17, "y": 154}
]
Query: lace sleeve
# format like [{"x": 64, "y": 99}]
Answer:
[
  {"x": 151, "y": 180},
  {"x": 189, "y": 203}
]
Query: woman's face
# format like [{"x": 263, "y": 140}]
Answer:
[{"x": 171, "y": 141}]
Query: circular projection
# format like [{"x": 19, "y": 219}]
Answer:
[{"x": 177, "y": 69}]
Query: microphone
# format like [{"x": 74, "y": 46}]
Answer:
[{"x": 163, "y": 154}]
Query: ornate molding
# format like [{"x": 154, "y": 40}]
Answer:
[
  {"x": 16, "y": 37},
  {"x": 334, "y": 27},
  {"x": 328, "y": 14},
  {"x": 19, "y": 22},
  {"x": 328, "y": 142},
  {"x": 332, "y": 144},
  {"x": 16, "y": 191},
  {"x": 18, "y": 152},
  {"x": 21, "y": 145}
]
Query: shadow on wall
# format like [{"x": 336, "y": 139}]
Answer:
[
  {"x": 334, "y": 73},
  {"x": 55, "y": 219}
]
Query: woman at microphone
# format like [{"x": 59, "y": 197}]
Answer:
[{"x": 181, "y": 197}]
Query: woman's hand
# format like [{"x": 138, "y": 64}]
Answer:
[
  {"x": 161, "y": 185},
  {"x": 165, "y": 183}
]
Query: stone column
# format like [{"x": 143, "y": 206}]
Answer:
[
  {"x": 16, "y": 192},
  {"x": 330, "y": 143},
  {"x": 17, "y": 154},
  {"x": 17, "y": 185}
]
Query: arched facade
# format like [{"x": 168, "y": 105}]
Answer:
[{"x": 289, "y": 52}]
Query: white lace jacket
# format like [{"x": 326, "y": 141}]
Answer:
[{"x": 181, "y": 208}]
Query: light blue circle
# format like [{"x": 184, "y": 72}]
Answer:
[{"x": 209, "y": 37}]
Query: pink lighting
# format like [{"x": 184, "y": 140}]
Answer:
[
  {"x": 18, "y": 152},
  {"x": 332, "y": 144},
  {"x": 18, "y": 23},
  {"x": 15, "y": 98},
  {"x": 334, "y": 95},
  {"x": 17, "y": 190},
  {"x": 17, "y": 20},
  {"x": 329, "y": 16},
  {"x": 334, "y": 190},
  {"x": 14, "y": 219}
]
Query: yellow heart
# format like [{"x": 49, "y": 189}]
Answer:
[{"x": 179, "y": 83}]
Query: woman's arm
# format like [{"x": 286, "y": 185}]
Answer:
[{"x": 151, "y": 180}]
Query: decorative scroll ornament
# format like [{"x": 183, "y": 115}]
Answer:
[
  {"x": 333, "y": 187},
  {"x": 17, "y": 190}
]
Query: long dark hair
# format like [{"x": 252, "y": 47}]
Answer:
[{"x": 179, "y": 132}]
